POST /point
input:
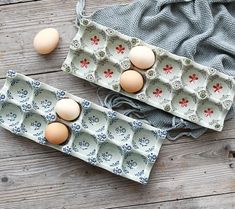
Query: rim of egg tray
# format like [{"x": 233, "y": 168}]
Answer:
[
  {"x": 99, "y": 136},
  {"x": 174, "y": 84}
]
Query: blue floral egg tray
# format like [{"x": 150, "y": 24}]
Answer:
[
  {"x": 174, "y": 84},
  {"x": 100, "y": 136}
]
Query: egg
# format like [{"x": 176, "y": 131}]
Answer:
[
  {"x": 56, "y": 133},
  {"x": 67, "y": 109},
  {"x": 46, "y": 40},
  {"x": 142, "y": 57},
  {"x": 131, "y": 81}
]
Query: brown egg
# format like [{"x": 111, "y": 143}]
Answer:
[
  {"x": 142, "y": 57},
  {"x": 56, "y": 133},
  {"x": 46, "y": 40},
  {"x": 131, "y": 81}
]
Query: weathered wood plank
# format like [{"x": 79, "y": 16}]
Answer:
[
  {"x": 210, "y": 202},
  {"x": 53, "y": 180},
  {"x": 5, "y": 2},
  {"x": 20, "y": 22}
]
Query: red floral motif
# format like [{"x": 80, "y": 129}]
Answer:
[
  {"x": 157, "y": 92},
  {"x": 193, "y": 78},
  {"x": 108, "y": 73},
  {"x": 120, "y": 49},
  {"x": 217, "y": 87},
  {"x": 84, "y": 63},
  {"x": 168, "y": 69},
  {"x": 208, "y": 112},
  {"x": 95, "y": 40},
  {"x": 183, "y": 102}
]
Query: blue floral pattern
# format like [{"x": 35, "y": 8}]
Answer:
[
  {"x": 9, "y": 95},
  {"x": 112, "y": 114},
  {"x": 26, "y": 107},
  {"x": 117, "y": 171},
  {"x": 11, "y": 74},
  {"x": 22, "y": 93},
  {"x": 36, "y": 125},
  {"x": 120, "y": 130},
  {"x": 143, "y": 141},
  {"x": 92, "y": 160},
  {"x": 35, "y": 84},
  {"x": 161, "y": 133},
  {"x": 60, "y": 94},
  {"x": 46, "y": 104},
  {"x": 50, "y": 117},
  {"x": 126, "y": 148},
  {"x": 137, "y": 124},
  {"x": 67, "y": 150},
  {"x": 143, "y": 180},
  {"x": 1, "y": 120},
  {"x": 76, "y": 128},
  {"x": 84, "y": 145},
  {"x": 86, "y": 104},
  {"x": 41, "y": 140},
  {"x": 152, "y": 158},
  {"x": 16, "y": 130},
  {"x": 106, "y": 156},
  {"x": 11, "y": 116},
  {"x": 101, "y": 137},
  {"x": 131, "y": 164},
  {"x": 93, "y": 119},
  {"x": 2, "y": 98}
]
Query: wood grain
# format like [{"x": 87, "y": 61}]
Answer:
[
  {"x": 190, "y": 174},
  {"x": 5, "y": 2},
  {"x": 209, "y": 202},
  {"x": 185, "y": 170}
]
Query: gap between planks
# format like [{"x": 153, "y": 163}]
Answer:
[
  {"x": 170, "y": 201},
  {"x": 12, "y": 2}
]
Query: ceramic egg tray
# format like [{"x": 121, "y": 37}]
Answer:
[
  {"x": 174, "y": 84},
  {"x": 100, "y": 136}
]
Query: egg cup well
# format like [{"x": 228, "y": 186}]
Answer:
[
  {"x": 99, "y": 136},
  {"x": 174, "y": 84}
]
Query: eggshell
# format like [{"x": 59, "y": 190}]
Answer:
[
  {"x": 131, "y": 81},
  {"x": 142, "y": 57},
  {"x": 67, "y": 109},
  {"x": 56, "y": 133},
  {"x": 46, "y": 40}
]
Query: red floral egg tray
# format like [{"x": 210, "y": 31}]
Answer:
[{"x": 174, "y": 84}]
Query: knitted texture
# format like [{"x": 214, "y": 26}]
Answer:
[{"x": 202, "y": 30}]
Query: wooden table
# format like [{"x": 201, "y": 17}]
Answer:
[{"x": 189, "y": 173}]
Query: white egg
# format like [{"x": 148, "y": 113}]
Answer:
[
  {"x": 142, "y": 57},
  {"x": 67, "y": 109}
]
